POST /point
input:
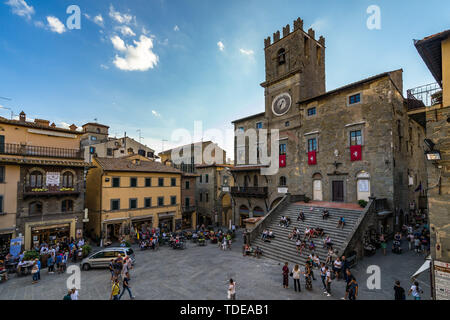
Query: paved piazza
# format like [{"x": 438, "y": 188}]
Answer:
[{"x": 202, "y": 273}]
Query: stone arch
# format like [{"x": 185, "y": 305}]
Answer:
[
  {"x": 32, "y": 170},
  {"x": 224, "y": 216},
  {"x": 66, "y": 171},
  {"x": 275, "y": 202}
]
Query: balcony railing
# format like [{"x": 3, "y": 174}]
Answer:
[
  {"x": 51, "y": 190},
  {"x": 424, "y": 96},
  {"x": 257, "y": 192},
  {"x": 39, "y": 151}
]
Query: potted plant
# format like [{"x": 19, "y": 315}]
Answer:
[
  {"x": 306, "y": 199},
  {"x": 86, "y": 249},
  {"x": 30, "y": 255},
  {"x": 362, "y": 203}
]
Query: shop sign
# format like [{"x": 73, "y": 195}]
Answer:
[
  {"x": 442, "y": 280},
  {"x": 282, "y": 190}
]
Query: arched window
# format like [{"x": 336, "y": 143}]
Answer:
[
  {"x": 246, "y": 181},
  {"x": 35, "y": 208},
  {"x": 67, "y": 180},
  {"x": 36, "y": 179},
  {"x": 255, "y": 180},
  {"x": 67, "y": 206},
  {"x": 282, "y": 181},
  {"x": 98, "y": 130},
  {"x": 281, "y": 56}
]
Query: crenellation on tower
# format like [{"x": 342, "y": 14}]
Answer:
[
  {"x": 298, "y": 24},
  {"x": 286, "y": 30},
  {"x": 276, "y": 36},
  {"x": 322, "y": 41},
  {"x": 267, "y": 42},
  {"x": 312, "y": 33}
]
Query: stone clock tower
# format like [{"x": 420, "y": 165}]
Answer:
[{"x": 295, "y": 70}]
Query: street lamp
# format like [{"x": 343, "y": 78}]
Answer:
[{"x": 432, "y": 155}]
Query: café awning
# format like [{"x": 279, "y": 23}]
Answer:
[{"x": 425, "y": 266}]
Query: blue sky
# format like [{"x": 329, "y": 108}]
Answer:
[{"x": 159, "y": 65}]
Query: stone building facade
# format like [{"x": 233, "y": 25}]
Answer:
[
  {"x": 434, "y": 111},
  {"x": 342, "y": 145}
]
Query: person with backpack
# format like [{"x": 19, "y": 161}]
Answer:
[
  {"x": 415, "y": 291},
  {"x": 115, "y": 290},
  {"x": 399, "y": 292}
]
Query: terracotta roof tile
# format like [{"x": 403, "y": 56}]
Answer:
[{"x": 126, "y": 164}]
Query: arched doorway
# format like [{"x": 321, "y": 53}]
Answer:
[
  {"x": 243, "y": 214},
  {"x": 317, "y": 187},
  {"x": 363, "y": 185}
]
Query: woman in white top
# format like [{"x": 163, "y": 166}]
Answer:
[
  {"x": 415, "y": 291},
  {"x": 232, "y": 290},
  {"x": 296, "y": 276}
]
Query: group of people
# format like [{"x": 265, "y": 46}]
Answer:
[
  {"x": 120, "y": 269},
  {"x": 247, "y": 250},
  {"x": 285, "y": 221},
  {"x": 327, "y": 276},
  {"x": 267, "y": 235}
]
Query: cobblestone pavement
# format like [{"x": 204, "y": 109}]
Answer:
[{"x": 203, "y": 272}]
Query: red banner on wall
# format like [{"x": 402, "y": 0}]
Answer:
[
  {"x": 282, "y": 160},
  {"x": 312, "y": 158},
  {"x": 355, "y": 153}
]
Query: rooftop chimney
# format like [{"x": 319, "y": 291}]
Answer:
[
  {"x": 73, "y": 127},
  {"x": 22, "y": 116}
]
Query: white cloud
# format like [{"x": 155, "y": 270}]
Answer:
[
  {"x": 221, "y": 45},
  {"x": 39, "y": 24},
  {"x": 118, "y": 43},
  {"x": 56, "y": 25},
  {"x": 319, "y": 25},
  {"x": 156, "y": 114},
  {"x": 64, "y": 125},
  {"x": 104, "y": 66},
  {"x": 126, "y": 31},
  {"x": 176, "y": 28},
  {"x": 98, "y": 19},
  {"x": 119, "y": 17},
  {"x": 136, "y": 58},
  {"x": 145, "y": 31},
  {"x": 246, "y": 52},
  {"x": 21, "y": 8}
]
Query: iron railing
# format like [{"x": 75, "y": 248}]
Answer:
[
  {"x": 424, "y": 96},
  {"x": 40, "y": 151},
  {"x": 51, "y": 190}
]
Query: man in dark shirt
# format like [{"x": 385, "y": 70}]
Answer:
[
  {"x": 352, "y": 289},
  {"x": 399, "y": 291},
  {"x": 345, "y": 267},
  {"x": 348, "y": 278}
]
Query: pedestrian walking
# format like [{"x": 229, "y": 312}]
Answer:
[
  {"x": 34, "y": 272},
  {"x": 67, "y": 296},
  {"x": 323, "y": 275},
  {"x": 38, "y": 262},
  {"x": 399, "y": 292},
  {"x": 353, "y": 289},
  {"x": 415, "y": 291},
  {"x": 115, "y": 290},
  {"x": 328, "y": 282},
  {"x": 285, "y": 276},
  {"x": 232, "y": 290},
  {"x": 296, "y": 277},
  {"x": 348, "y": 280},
  {"x": 74, "y": 294},
  {"x": 126, "y": 286}
]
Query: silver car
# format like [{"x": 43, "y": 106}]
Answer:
[{"x": 102, "y": 258}]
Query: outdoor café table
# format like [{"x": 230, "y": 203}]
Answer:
[
  {"x": 25, "y": 269},
  {"x": 11, "y": 267}
]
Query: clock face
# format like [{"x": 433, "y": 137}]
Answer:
[{"x": 281, "y": 104}]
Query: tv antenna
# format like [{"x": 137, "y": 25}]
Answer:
[
  {"x": 6, "y": 108},
  {"x": 140, "y": 136}
]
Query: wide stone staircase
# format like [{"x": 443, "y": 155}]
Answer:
[{"x": 284, "y": 250}]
